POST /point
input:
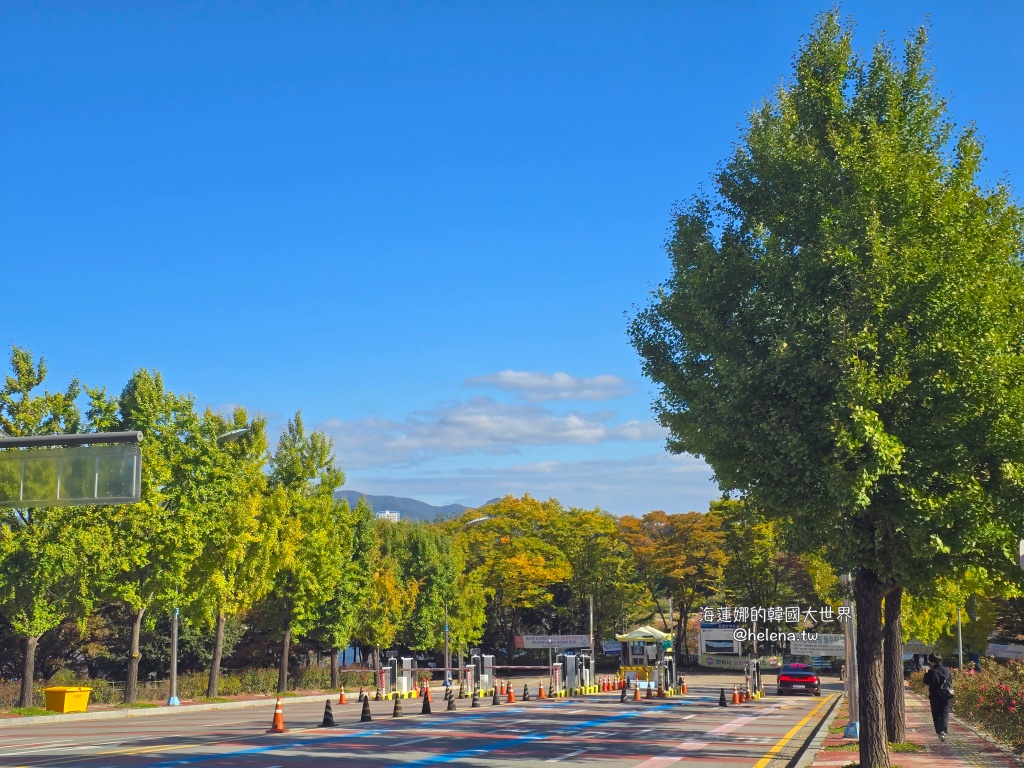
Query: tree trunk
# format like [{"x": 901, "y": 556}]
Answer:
[
  {"x": 282, "y": 672},
  {"x": 895, "y": 713},
  {"x": 335, "y": 682},
  {"x": 513, "y": 626},
  {"x": 131, "y": 686},
  {"x": 218, "y": 650},
  {"x": 868, "y": 592},
  {"x": 28, "y": 672}
]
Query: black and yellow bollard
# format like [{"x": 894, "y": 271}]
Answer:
[
  {"x": 397, "y": 712},
  {"x": 425, "y": 710},
  {"x": 364, "y": 717},
  {"x": 451, "y": 703},
  {"x": 475, "y": 703},
  {"x": 721, "y": 698},
  {"x": 526, "y": 692},
  {"x": 496, "y": 700}
]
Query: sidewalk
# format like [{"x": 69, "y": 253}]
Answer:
[{"x": 963, "y": 747}]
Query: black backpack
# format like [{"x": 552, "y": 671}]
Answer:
[{"x": 946, "y": 687}]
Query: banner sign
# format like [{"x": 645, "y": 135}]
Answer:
[
  {"x": 916, "y": 646},
  {"x": 823, "y": 645},
  {"x": 552, "y": 641},
  {"x": 611, "y": 647},
  {"x": 1005, "y": 651},
  {"x": 717, "y": 661}
]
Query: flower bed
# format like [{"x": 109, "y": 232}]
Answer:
[{"x": 991, "y": 698}]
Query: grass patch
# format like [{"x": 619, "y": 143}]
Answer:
[
  {"x": 138, "y": 705},
  {"x": 288, "y": 695},
  {"x": 31, "y": 711},
  {"x": 214, "y": 700},
  {"x": 902, "y": 746},
  {"x": 836, "y": 728},
  {"x": 905, "y": 746}
]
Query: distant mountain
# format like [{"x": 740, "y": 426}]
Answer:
[{"x": 411, "y": 509}]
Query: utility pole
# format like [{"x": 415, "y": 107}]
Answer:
[{"x": 959, "y": 640}]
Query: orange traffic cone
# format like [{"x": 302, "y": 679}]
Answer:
[
  {"x": 622, "y": 683},
  {"x": 735, "y": 695},
  {"x": 605, "y": 685},
  {"x": 540, "y": 691},
  {"x": 277, "y": 725},
  {"x": 426, "y": 692},
  {"x": 650, "y": 691},
  {"x": 684, "y": 685},
  {"x": 341, "y": 696},
  {"x": 636, "y": 691},
  {"x": 502, "y": 687},
  {"x": 511, "y": 695}
]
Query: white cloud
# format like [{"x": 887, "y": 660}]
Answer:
[
  {"x": 623, "y": 486},
  {"x": 538, "y": 387},
  {"x": 479, "y": 425}
]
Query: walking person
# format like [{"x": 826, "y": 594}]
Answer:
[{"x": 940, "y": 693}]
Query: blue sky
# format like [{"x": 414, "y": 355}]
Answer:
[{"x": 422, "y": 224}]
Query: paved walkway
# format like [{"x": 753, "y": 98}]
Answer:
[{"x": 963, "y": 748}]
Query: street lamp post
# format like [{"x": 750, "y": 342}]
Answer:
[
  {"x": 447, "y": 648},
  {"x": 172, "y": 699}
]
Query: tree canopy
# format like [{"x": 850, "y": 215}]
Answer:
[{"x": 840, "y": 336}]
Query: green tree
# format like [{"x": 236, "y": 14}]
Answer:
[
  {"x": 50, "y": 558},
  {"x": 763, "y": 566},
  {"x": 600, "y": 568},
  {"x": 156, "y": 541},
  {"x": 308, "y": 561},
  {"x": 224, "y": 485},
  {"x": 840, "y": 337},
  {"x": 338, "y": 617}
]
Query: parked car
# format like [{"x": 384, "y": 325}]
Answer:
[{"x": 798, "y": 678}]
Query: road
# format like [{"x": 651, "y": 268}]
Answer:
[{"x": 596, "y": 731}]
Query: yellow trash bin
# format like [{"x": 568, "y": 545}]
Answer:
[{"x": 67, "y": 698}]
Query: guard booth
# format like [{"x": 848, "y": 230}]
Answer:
[{"x": 647, "y": 657}]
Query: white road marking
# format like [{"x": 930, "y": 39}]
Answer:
[
  {"x": 734, "y": 725},
  {"x": 570, "y": 754},
  {"x": 233, "y": 722},
  {"x": 414, "y": 741}
]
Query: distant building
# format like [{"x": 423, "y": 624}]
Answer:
[{"x": 388, "y": 515}]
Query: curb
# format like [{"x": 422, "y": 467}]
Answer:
[
  {"x": 112, "y": 714},
  {"x": 812, "y": 747}
]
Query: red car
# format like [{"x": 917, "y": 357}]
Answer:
[{"x": 798, "y": 678}]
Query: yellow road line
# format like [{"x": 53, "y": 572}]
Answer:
[
  {"x": 763, "y": 762},
  {"x": 144, "y": 750}
]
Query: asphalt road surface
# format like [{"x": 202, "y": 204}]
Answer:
[{"x": 595, "y": 731}]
